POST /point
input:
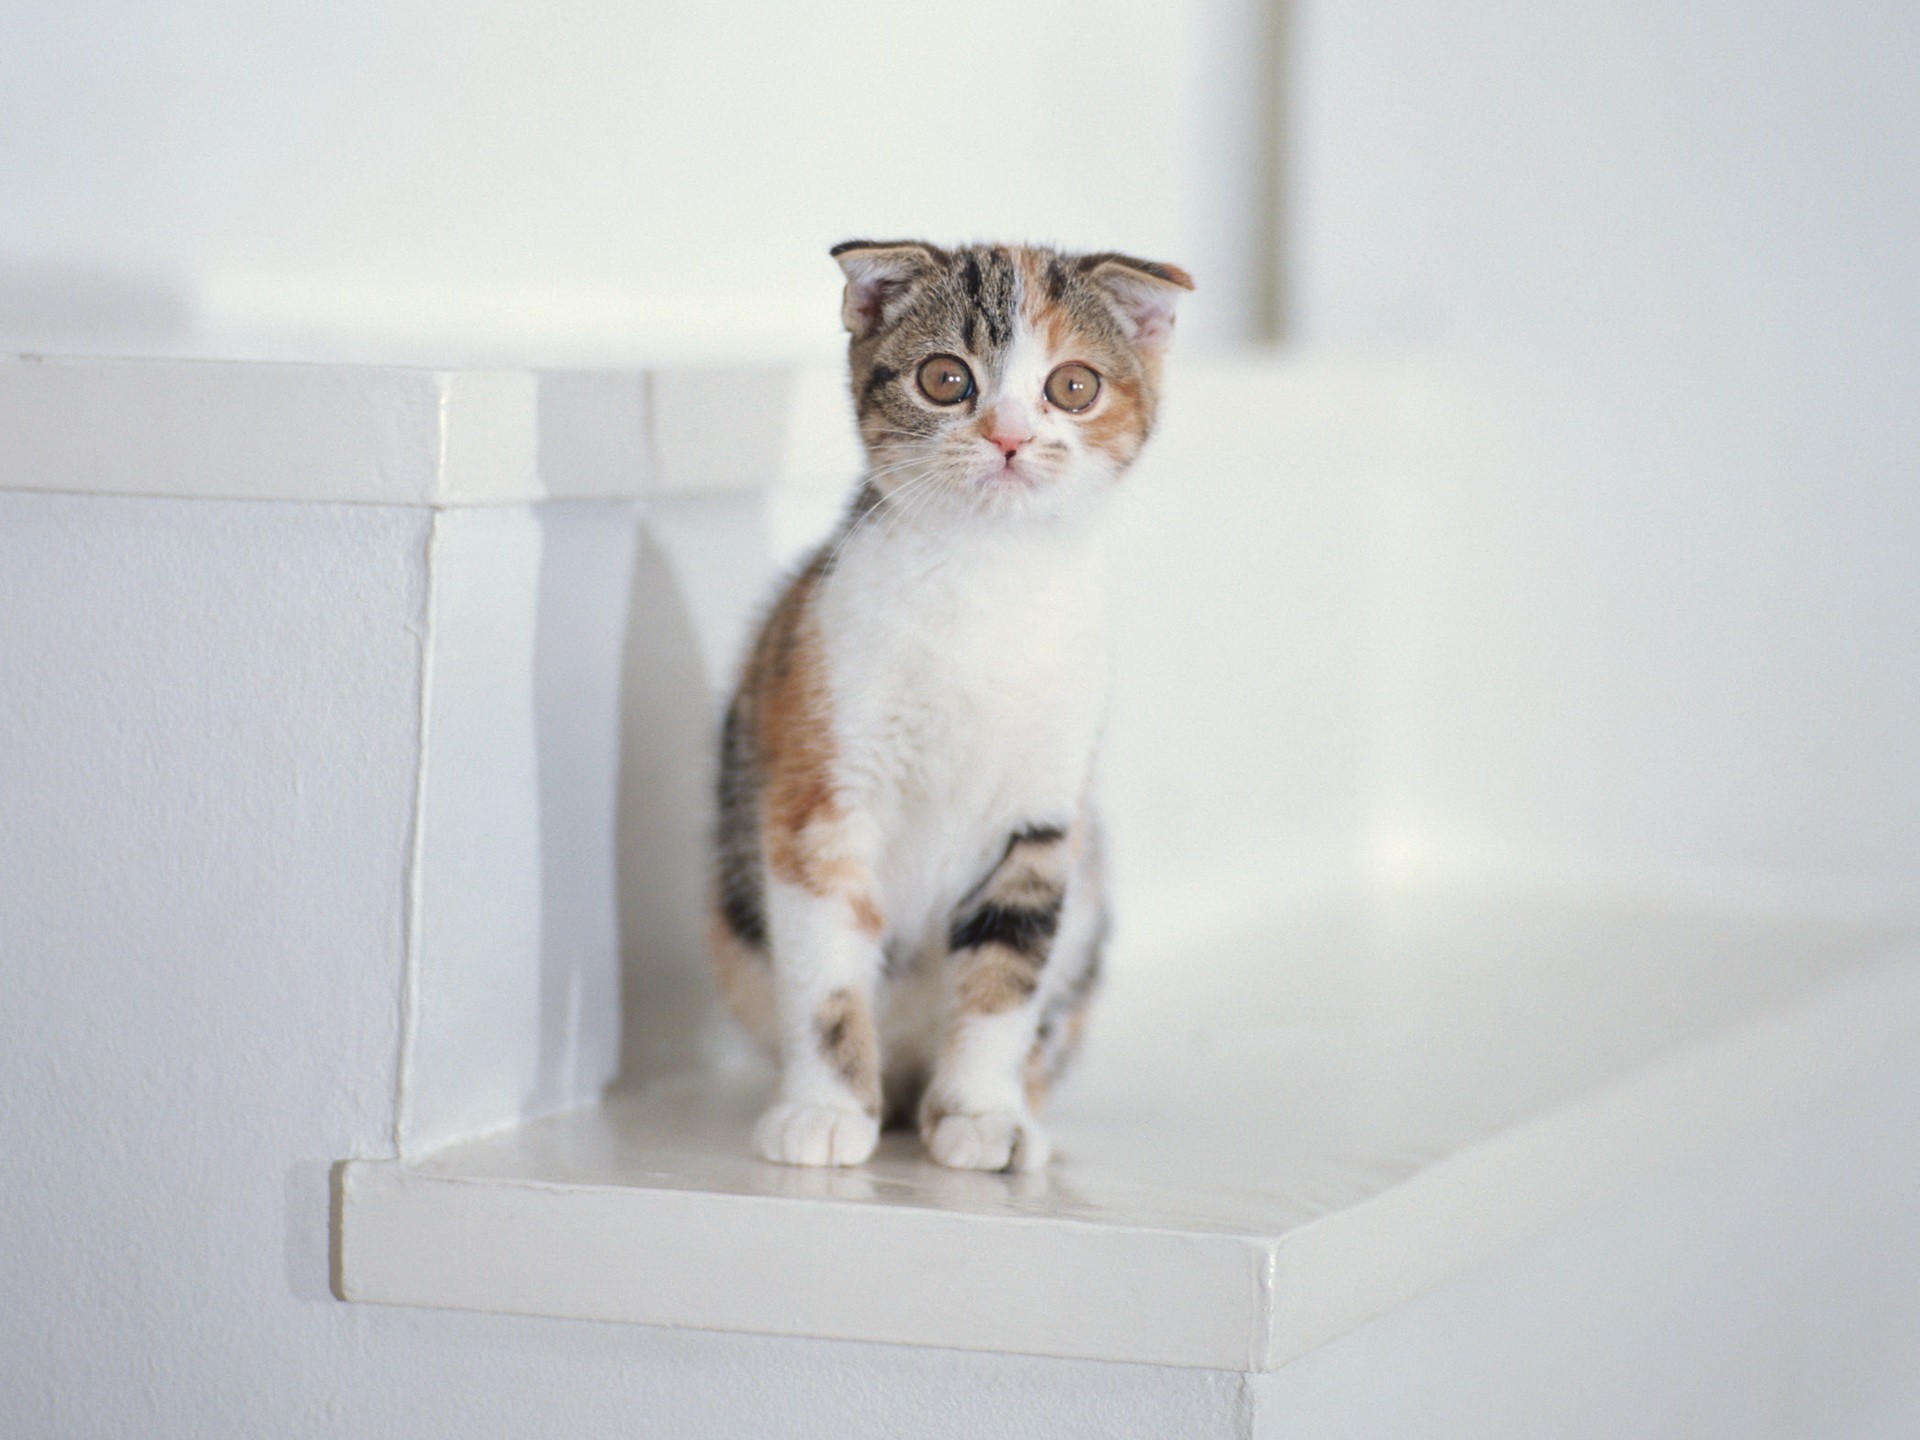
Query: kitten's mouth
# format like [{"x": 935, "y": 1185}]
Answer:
[{"x": 1007, "y": 472}]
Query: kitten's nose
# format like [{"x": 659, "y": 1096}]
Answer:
[{"x": 1007, "y": 426}]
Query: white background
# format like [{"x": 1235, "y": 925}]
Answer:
[
  {"x": 435, "y": 181},
  {"x": 1666, "y": 252}
]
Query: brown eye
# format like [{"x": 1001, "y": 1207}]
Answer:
[
  {"x": 945, "y": 380},
  {"x": 1072, "y": 387}
]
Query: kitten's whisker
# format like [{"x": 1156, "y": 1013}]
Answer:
[
  {"x": 922, "y": 502},
  {"x": 911, "y": 497},
  {"x": 887, "y": 497},
  {"x": 897, "y": 432},
  {"x": 915, "y": 498}
]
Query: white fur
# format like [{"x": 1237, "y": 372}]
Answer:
[
  {"x": 967, "y": 659},
  {"x": 968, "y": 675},
  {"x": 818, "y": 1121},
  {"x": 964, "y": 637}
]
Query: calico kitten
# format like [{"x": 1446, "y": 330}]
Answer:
[{"x": 909, "y": 907}]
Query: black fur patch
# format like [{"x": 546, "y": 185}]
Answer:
[
  {"x": 741, "y": 884},
  {"x": 1037, "y": 835},
  {"x": 833, "y": 1033},
  {"x": 1056, "y": 280},
  {"x": 996, "y": 304},
  {"x": 740, "y": 904},
  {"x": 878, "y": 379},
  {"x": 1026, "y": 930}
]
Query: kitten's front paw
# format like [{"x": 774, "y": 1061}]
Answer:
[
  {"x": 996, "y": 1140},
  {"x": 795, "y": 1134}
]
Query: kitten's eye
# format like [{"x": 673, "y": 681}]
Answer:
[
  {"x": 945, "y": 380},
  {"x": 1073, "y": 387}
]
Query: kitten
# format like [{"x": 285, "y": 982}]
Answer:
[{"x": 909, "y": 906}]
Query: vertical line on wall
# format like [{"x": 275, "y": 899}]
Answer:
[
  {"x": 1265, "y": 1274},
  {"x": 416, "y": 847},
  {"x": 1271, "y": 211},
  {"x": 443, "y": 400}
]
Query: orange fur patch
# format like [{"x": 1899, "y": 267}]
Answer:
[
  {"x": 1031, "y": 875},
  {"x": 995, "y": 979},
  {"x": 803, "y": 818},
  {"x": 746, "y": 981},
  {"x": 1055, "y": 328},
  {"x": 1044, "y": 1061},
  {"x": 1032, "y": 269},
  {"x": 932, "y": 1112},
  {"x": 866, "y": 914},
  {"x": 795, "y": 739},
  {"x": 1120, "y": 423},
  {"x": 843, "y": 1025},
  {"x": 1119, "y": 426},
  {"x": 1036, "y": 1078}
]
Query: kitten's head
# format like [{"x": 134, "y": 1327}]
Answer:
[{"x": 1012, "y": 378}]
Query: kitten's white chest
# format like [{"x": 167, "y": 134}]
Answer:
[{"x": 968, "y": 697}]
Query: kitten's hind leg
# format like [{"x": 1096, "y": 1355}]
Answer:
[
  {"x": 828, "y": 1112},
  {"x": 975, "y": 1115}
]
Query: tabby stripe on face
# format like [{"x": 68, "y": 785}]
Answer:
[
  {"x": 998, "y": 310},
  {"x": 989, "y": 294},
  {"x": 1056, "y": 280},
  {"x": 878, "y": 379}
]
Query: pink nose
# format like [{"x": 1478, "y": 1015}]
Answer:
[{"x": 1008, "y": 445}]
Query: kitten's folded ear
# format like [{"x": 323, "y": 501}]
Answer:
[
  {"x": 878, "y": 273},
  {"x": 1142, "y": 291}
]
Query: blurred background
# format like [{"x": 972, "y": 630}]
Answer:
[
  {"x": 595, "y": 180},
  {"x": 1726, "y": 192},
  {"x": 1646, "y": 603},
  {"x": 1649, "y": 606},
  {"x": 1688, "y": 228}
]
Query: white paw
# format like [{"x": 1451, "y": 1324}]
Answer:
[
  {"x": 996, "y": 1140},
  {"x": 794, "y": 1134}
]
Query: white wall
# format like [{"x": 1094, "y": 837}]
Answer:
[
  {"x": 1665, "y": 254},
  {"x": 209, "y": 714},
  {"x": 446, "y": 183}
]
